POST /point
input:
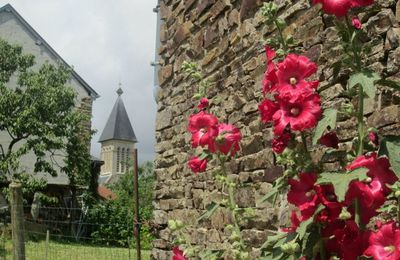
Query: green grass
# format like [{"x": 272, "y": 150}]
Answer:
[{"x": 75, "y": 251}]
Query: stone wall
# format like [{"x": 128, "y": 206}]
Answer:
[{"x": 226, "y": 39}]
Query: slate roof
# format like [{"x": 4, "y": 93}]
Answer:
[
  {"x": 118, "y": 126},
  {"x": 39, "y": 39}
]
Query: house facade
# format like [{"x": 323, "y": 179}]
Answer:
[{"x": 16, "y": 30}]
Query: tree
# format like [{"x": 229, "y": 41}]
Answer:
[{"x": 37, "y": 111}]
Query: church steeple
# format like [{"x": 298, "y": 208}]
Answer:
[
  {"x": 118, "y": 125},
  {"x": 117, "y": 140}
]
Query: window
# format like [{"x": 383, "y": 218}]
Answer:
[
  {"x": 123, "y": 160},
  {"x": 118, "y": 159}
]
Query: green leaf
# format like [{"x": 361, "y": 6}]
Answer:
[
  {"x": 341, "y": 180},
  {"x": 367, "y": 81},
  {"x": 390, "y": 146},
  {"x": 273, "y": 240},
  {"x": 328, "y": 119},
  {"x": 301, "y": 230},
  {"x": 310, "y": 242},
  {"x": 389, "y": 83},
  {"x": 211, "y": 208}
]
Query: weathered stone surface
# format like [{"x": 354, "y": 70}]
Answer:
[{"x": 230, "y": 53}]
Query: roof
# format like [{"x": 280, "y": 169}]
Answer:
[
  {"x": 106, "y": 193},
  {"x": 10, "y": 9},
  {"x": 118, "y": 126}
]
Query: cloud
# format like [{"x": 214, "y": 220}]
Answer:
[{"x": 106, "y": 42}]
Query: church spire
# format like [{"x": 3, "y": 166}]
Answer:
[{"x": 118, "y": 126}]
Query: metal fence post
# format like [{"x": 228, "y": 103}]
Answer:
[
  {"x": 17, "y": 221},
  {"x": 47, "y": 243},
  {"x": 136, "y": 192}
]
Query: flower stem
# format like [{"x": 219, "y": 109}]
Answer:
[
  {"x": 360, "y": 119},
  {"x": 398, "y": 209},
  {"x": 357, "y": 216},
  {"x": 282, "y": 39},
  {"x": 322, "y": 252}
]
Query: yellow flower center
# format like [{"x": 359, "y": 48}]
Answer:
[
  {"x": 295, "y": 111},
  {"x": 389, "y": 249},
  {"x": 310, "y": 193},
  {"x": 293, "y": 81}
]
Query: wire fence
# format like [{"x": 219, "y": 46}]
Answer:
[{"x": 66, "y": 233}]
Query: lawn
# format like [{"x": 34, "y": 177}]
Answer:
[{"x": 68, "y": 251}]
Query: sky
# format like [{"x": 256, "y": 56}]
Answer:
[{"x": 106, "y": 42}]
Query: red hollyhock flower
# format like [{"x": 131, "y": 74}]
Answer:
[
  {"x": 359, "y": 3},
  {"x": 270, "y": 78},
  {"x": 330, "y": 140},
  {"x": 351, "y": 240},
  {"x": 372, "y": 192},
  {"x": 335, "y": 7},
  {"x": 303, "y": 195},
  {"x": 356, "y": 23},
  {"x": 267, "y": 109},
  {"x": 291, "y": 75},
  {"x": 197, "y": 165},
  {"x": 295, "y": 223},
  {"x": 178, "y": 254},
  {"x": 327, "y": 196},
  {"x": 203, "y": 103},
  {"x": 280, "y": 143},
  {"x": 385, "y": 243},
  {"x": 341, "y": 7},
  {"x": 301, "y": 114},
  {"x": 227, "y": 141},
  {"x": 379, "y": 170},
  {"x": 203, "y": 127}
]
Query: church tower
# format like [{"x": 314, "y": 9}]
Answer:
[{"x": 117, "y": 141}]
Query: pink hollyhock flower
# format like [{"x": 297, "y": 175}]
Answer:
[
  {"x": 336, "y": 7},
  {"x": 227, "y": 141},
  {"x": 178, "y": 254},
  {"x": 203, "y": 127},
  {"x": 197, "y": 165},
  {"x": 330, "y": 140},
  {"x": 291, "y": 75},
  {"x": 301, "y": 114},
  {"x": 373, "y": 138},
  {"x": 385, "y": 243},
  {"x": 280, "y": 143},
  {"x": 203, "y": 103},
  {"x": 303, "y": 195},
  {"x": 267, "y": 109},
  {"x": 356, "y": 23},
  {"x": 295, "y": 223}
]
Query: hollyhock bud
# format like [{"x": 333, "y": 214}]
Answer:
[
  {"x": 373, "y": 138},
  {"x": 203, "y": 103},
  {"x": 330, "y": 140},
  {"x": 385, "y": 243},
  {"x": 178, "y": 254},
  {"x": 280, "y": 143},
  {"x": 356, "y": 23},
  {"x": 197, "y": 165}
]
